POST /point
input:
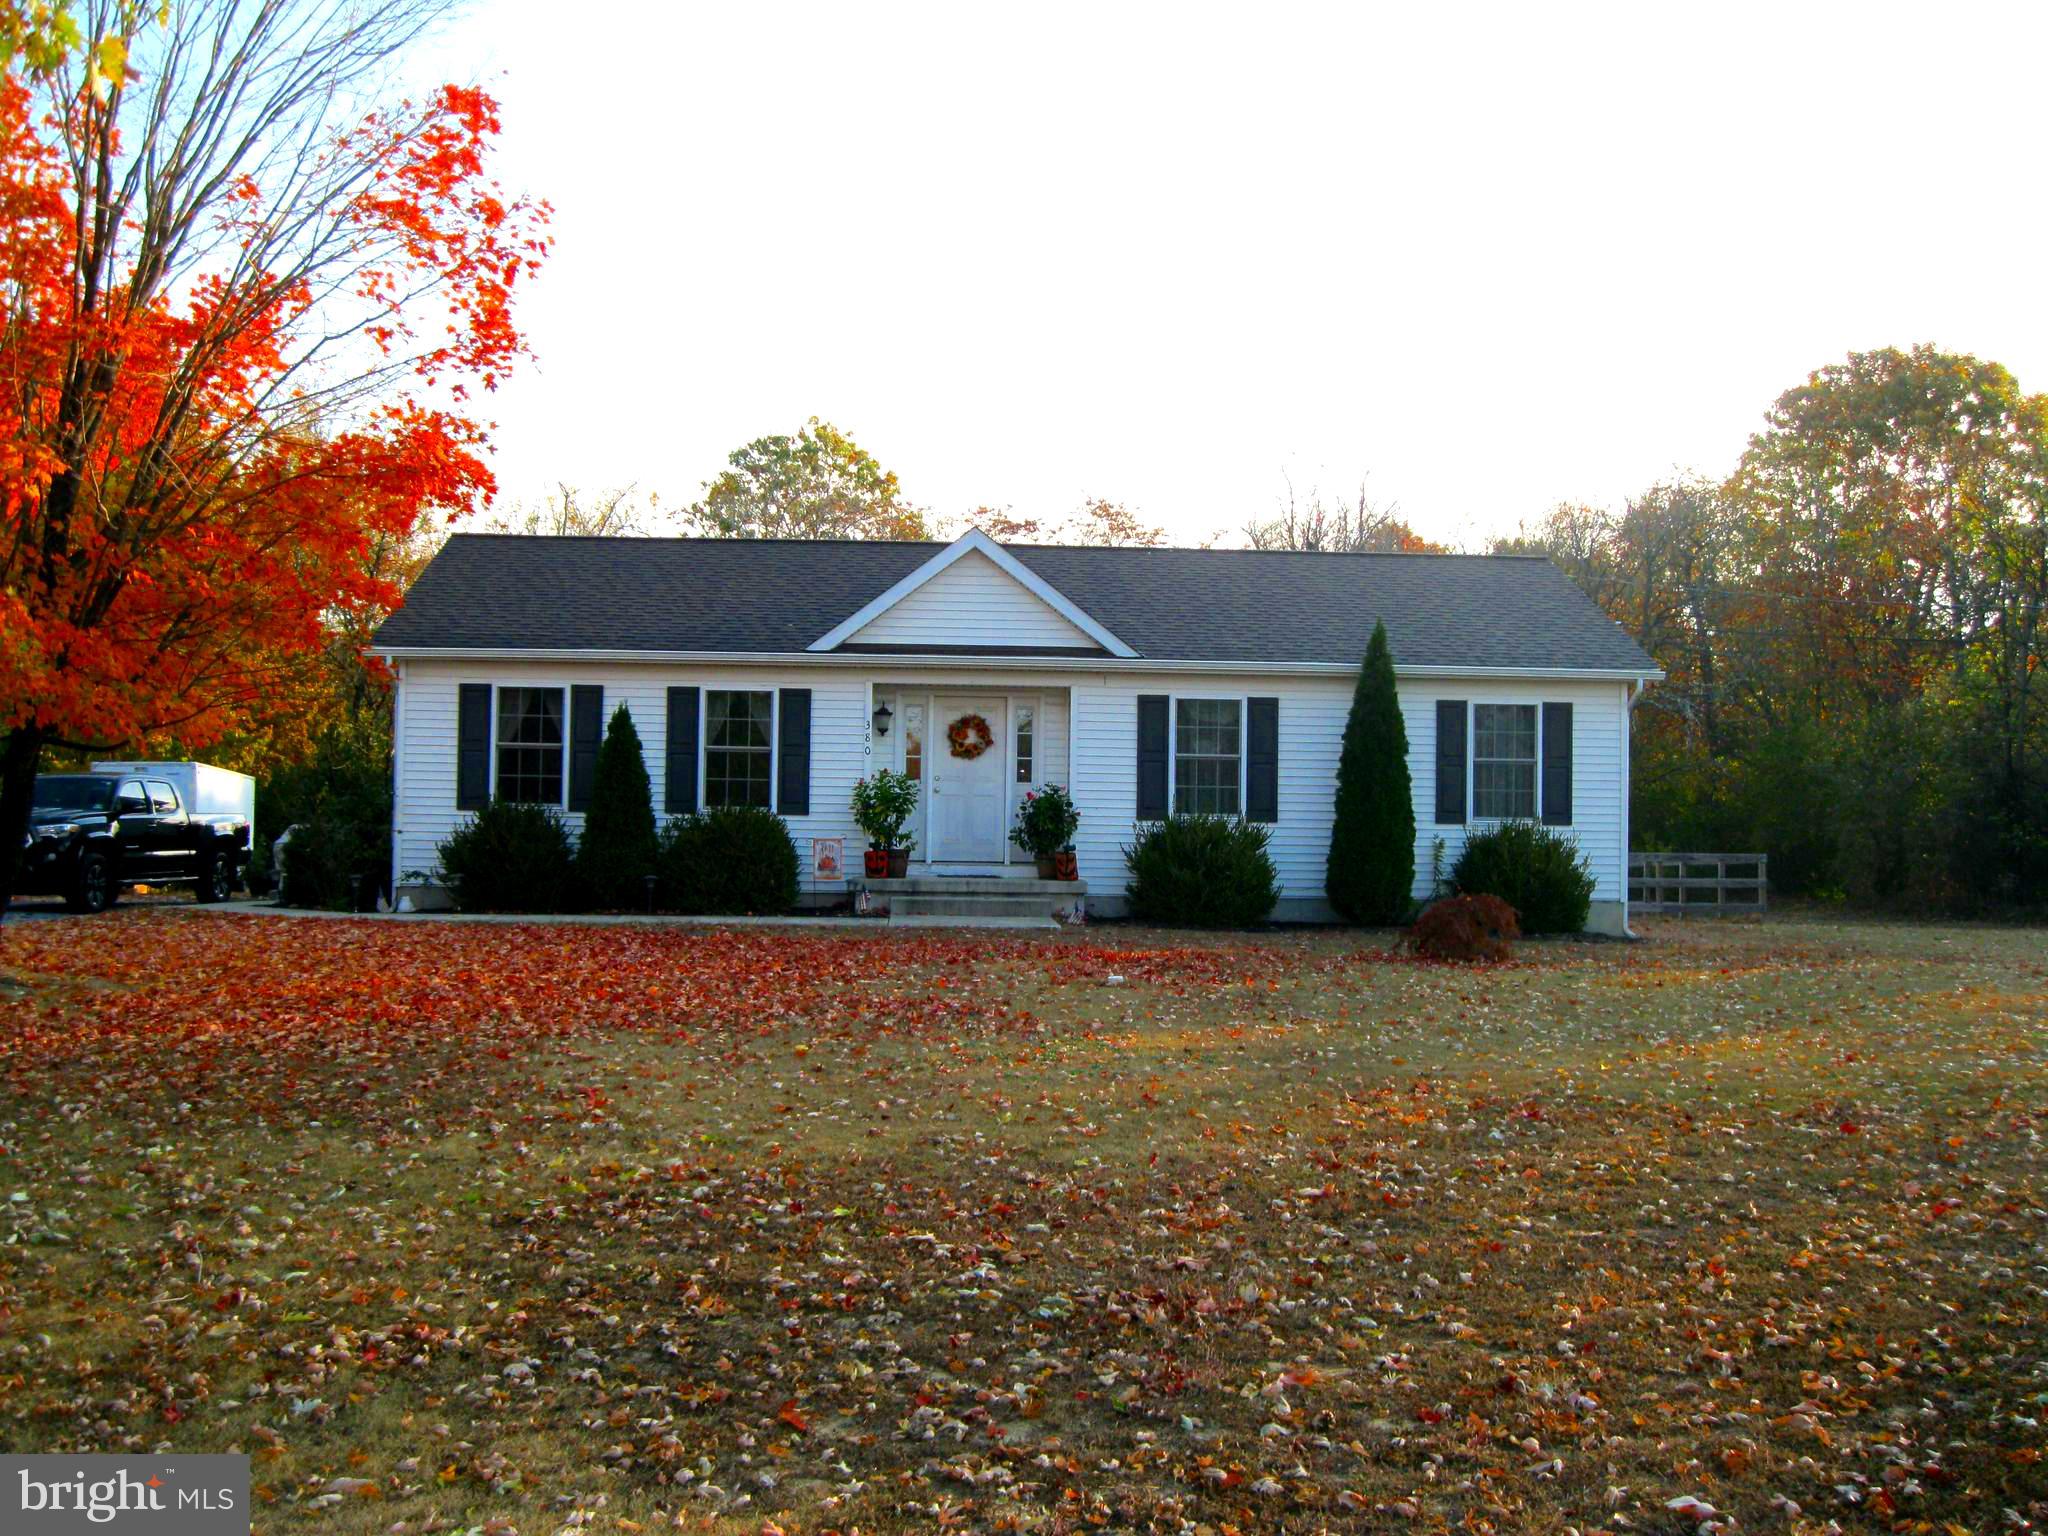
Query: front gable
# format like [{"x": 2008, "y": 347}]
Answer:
[
  {"x": 971, "y": 602},
  {"x": 973, "y": 595}
]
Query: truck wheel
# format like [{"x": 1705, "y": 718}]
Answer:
[
  {"x": 92, "y": 886},
  {"x": 217, "y": 879}
]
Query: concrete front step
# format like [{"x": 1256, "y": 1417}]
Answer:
[
  {"x": 905, "y": 920},
  {"x": 969, "y": 904},
  {"x": 1007, "y": 885},
  {"x": 988, "y": 900}
]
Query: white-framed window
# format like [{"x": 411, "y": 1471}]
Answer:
[
  {"x": 1208, "y": 756},
  {"x": 1025, "y": 714},
  {"x": 1504, "y": 761},
  {"x": 529, "y": 752},
  {"x": 739, "y": 747},
  {"x": 913, "y": 742}
]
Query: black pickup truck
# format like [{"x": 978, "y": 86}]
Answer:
[{"x": 90, "y": 834}]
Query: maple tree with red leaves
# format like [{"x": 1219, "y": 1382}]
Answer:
[{"x": 249, "y": 305}]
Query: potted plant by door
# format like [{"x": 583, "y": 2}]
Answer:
[
  {"x": 1046, "y": 822},
  {"x": 882, "y": 807}
]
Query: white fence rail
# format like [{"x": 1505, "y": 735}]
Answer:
[{"x": 1698, "y": 884}]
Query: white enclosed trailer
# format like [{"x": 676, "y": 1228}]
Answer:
[{"x": 204, "y": 789}]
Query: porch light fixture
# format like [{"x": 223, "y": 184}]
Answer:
[{"x": 883, "y": 715}]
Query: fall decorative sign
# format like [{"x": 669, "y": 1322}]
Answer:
[{"x": 970, "y": 737}]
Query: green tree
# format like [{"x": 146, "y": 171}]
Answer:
[
  {"x": 616, "y": 854},
  {"x": 1371, "y": 877},
  {"x": 819, "y": 484}
]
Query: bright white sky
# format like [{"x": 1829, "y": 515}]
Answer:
[{"x": 1165, "y": 253}]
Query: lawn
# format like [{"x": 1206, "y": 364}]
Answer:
[{"x": 546, "y": 1229}]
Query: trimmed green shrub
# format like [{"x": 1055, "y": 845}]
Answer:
[
  {"x": 333, "y": 860},
  {"x": 1537, "y": 871},
  {"x": 338, "y": 798},
  {"x": 1372, "y": 846},
  {"x": 615, "y": 855},
  {"x": 1205, "y": 871},
  {"x": 733, "y": 860},
  {"x": 509, "y": 858}
]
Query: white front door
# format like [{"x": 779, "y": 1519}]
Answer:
[{"x": 967, "y": 801}]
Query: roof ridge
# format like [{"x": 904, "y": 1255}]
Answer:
[{"x": 1123, "y": 549}]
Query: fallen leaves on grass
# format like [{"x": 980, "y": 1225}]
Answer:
[{"x": 540, "y": 1228}]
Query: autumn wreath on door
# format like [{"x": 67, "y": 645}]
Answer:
[{"x": 970, "y": 736}]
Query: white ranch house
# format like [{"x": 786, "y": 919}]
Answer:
[{"x": 777, "y": 673}]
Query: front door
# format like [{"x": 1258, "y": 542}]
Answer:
[{"x": 967, "y": 802}]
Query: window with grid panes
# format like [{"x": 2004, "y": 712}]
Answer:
[
  {"x": 530, "y": 745},
  {"x": 739, "y": 748},
  {"x": 1208, "y": 757},
  {"x": 1504, "y": 761}
]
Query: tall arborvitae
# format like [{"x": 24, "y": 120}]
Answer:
[
  {"x": 617, "y": 851},
  {"x": 1372, "y": 846}
]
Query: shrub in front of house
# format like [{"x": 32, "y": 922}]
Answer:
[
  {"x": 334, "y": 861},
  {"x": 509, "y": 857},
  {"x": 1464, "y": 928},
  {"x": 1372, "y": 842},
  {"x": 1534, "y": 869},
  {"x": 1204, "y": 871},
  {"x": 337, "y": 803},
  {"x": 616, "y": 853},
  {"x": 731, "y": 861}
]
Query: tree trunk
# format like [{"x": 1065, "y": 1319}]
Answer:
[{"x": 19, "y": 758}]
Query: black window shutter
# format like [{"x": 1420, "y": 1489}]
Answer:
[
  {"x": 473, "y": 747},
  {"x": 586, "y": 732},
  {"x": 1557, "y": 765},
  {"x": 1262, "y": 760},
  {"x": 1153, "y": 733},
  {"x": 679, "y": 789},
  {"x": 1450, "y": 762},
  {"x": 794, "y": 740}
]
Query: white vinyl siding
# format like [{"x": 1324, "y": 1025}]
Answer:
[
  {"x": 972, "y": 602},
  {"x": 426, "y": 811},
  {"x": 1599, "y": 769},
  {"x": 1090, "y": 718},
  {"x": 1312, "y": 716}
]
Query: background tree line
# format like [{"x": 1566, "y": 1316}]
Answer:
[{"x": 1851, "y": 624}]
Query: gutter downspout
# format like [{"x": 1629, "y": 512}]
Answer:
[
  {"x": 397, "y": 775},
  {"x": 1631, "y": 692}
]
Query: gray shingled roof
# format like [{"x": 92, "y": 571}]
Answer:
[{"x": 513, "y": 592}]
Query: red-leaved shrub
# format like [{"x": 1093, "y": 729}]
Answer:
[{"x": 1465, "y": 928}]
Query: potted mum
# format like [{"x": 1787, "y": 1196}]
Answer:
[
  {"x": 1047, "y": 819},
  {"x": 882, "y": 807}
]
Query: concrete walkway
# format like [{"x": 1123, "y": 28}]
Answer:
[{"x": 627, "y": 919}]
